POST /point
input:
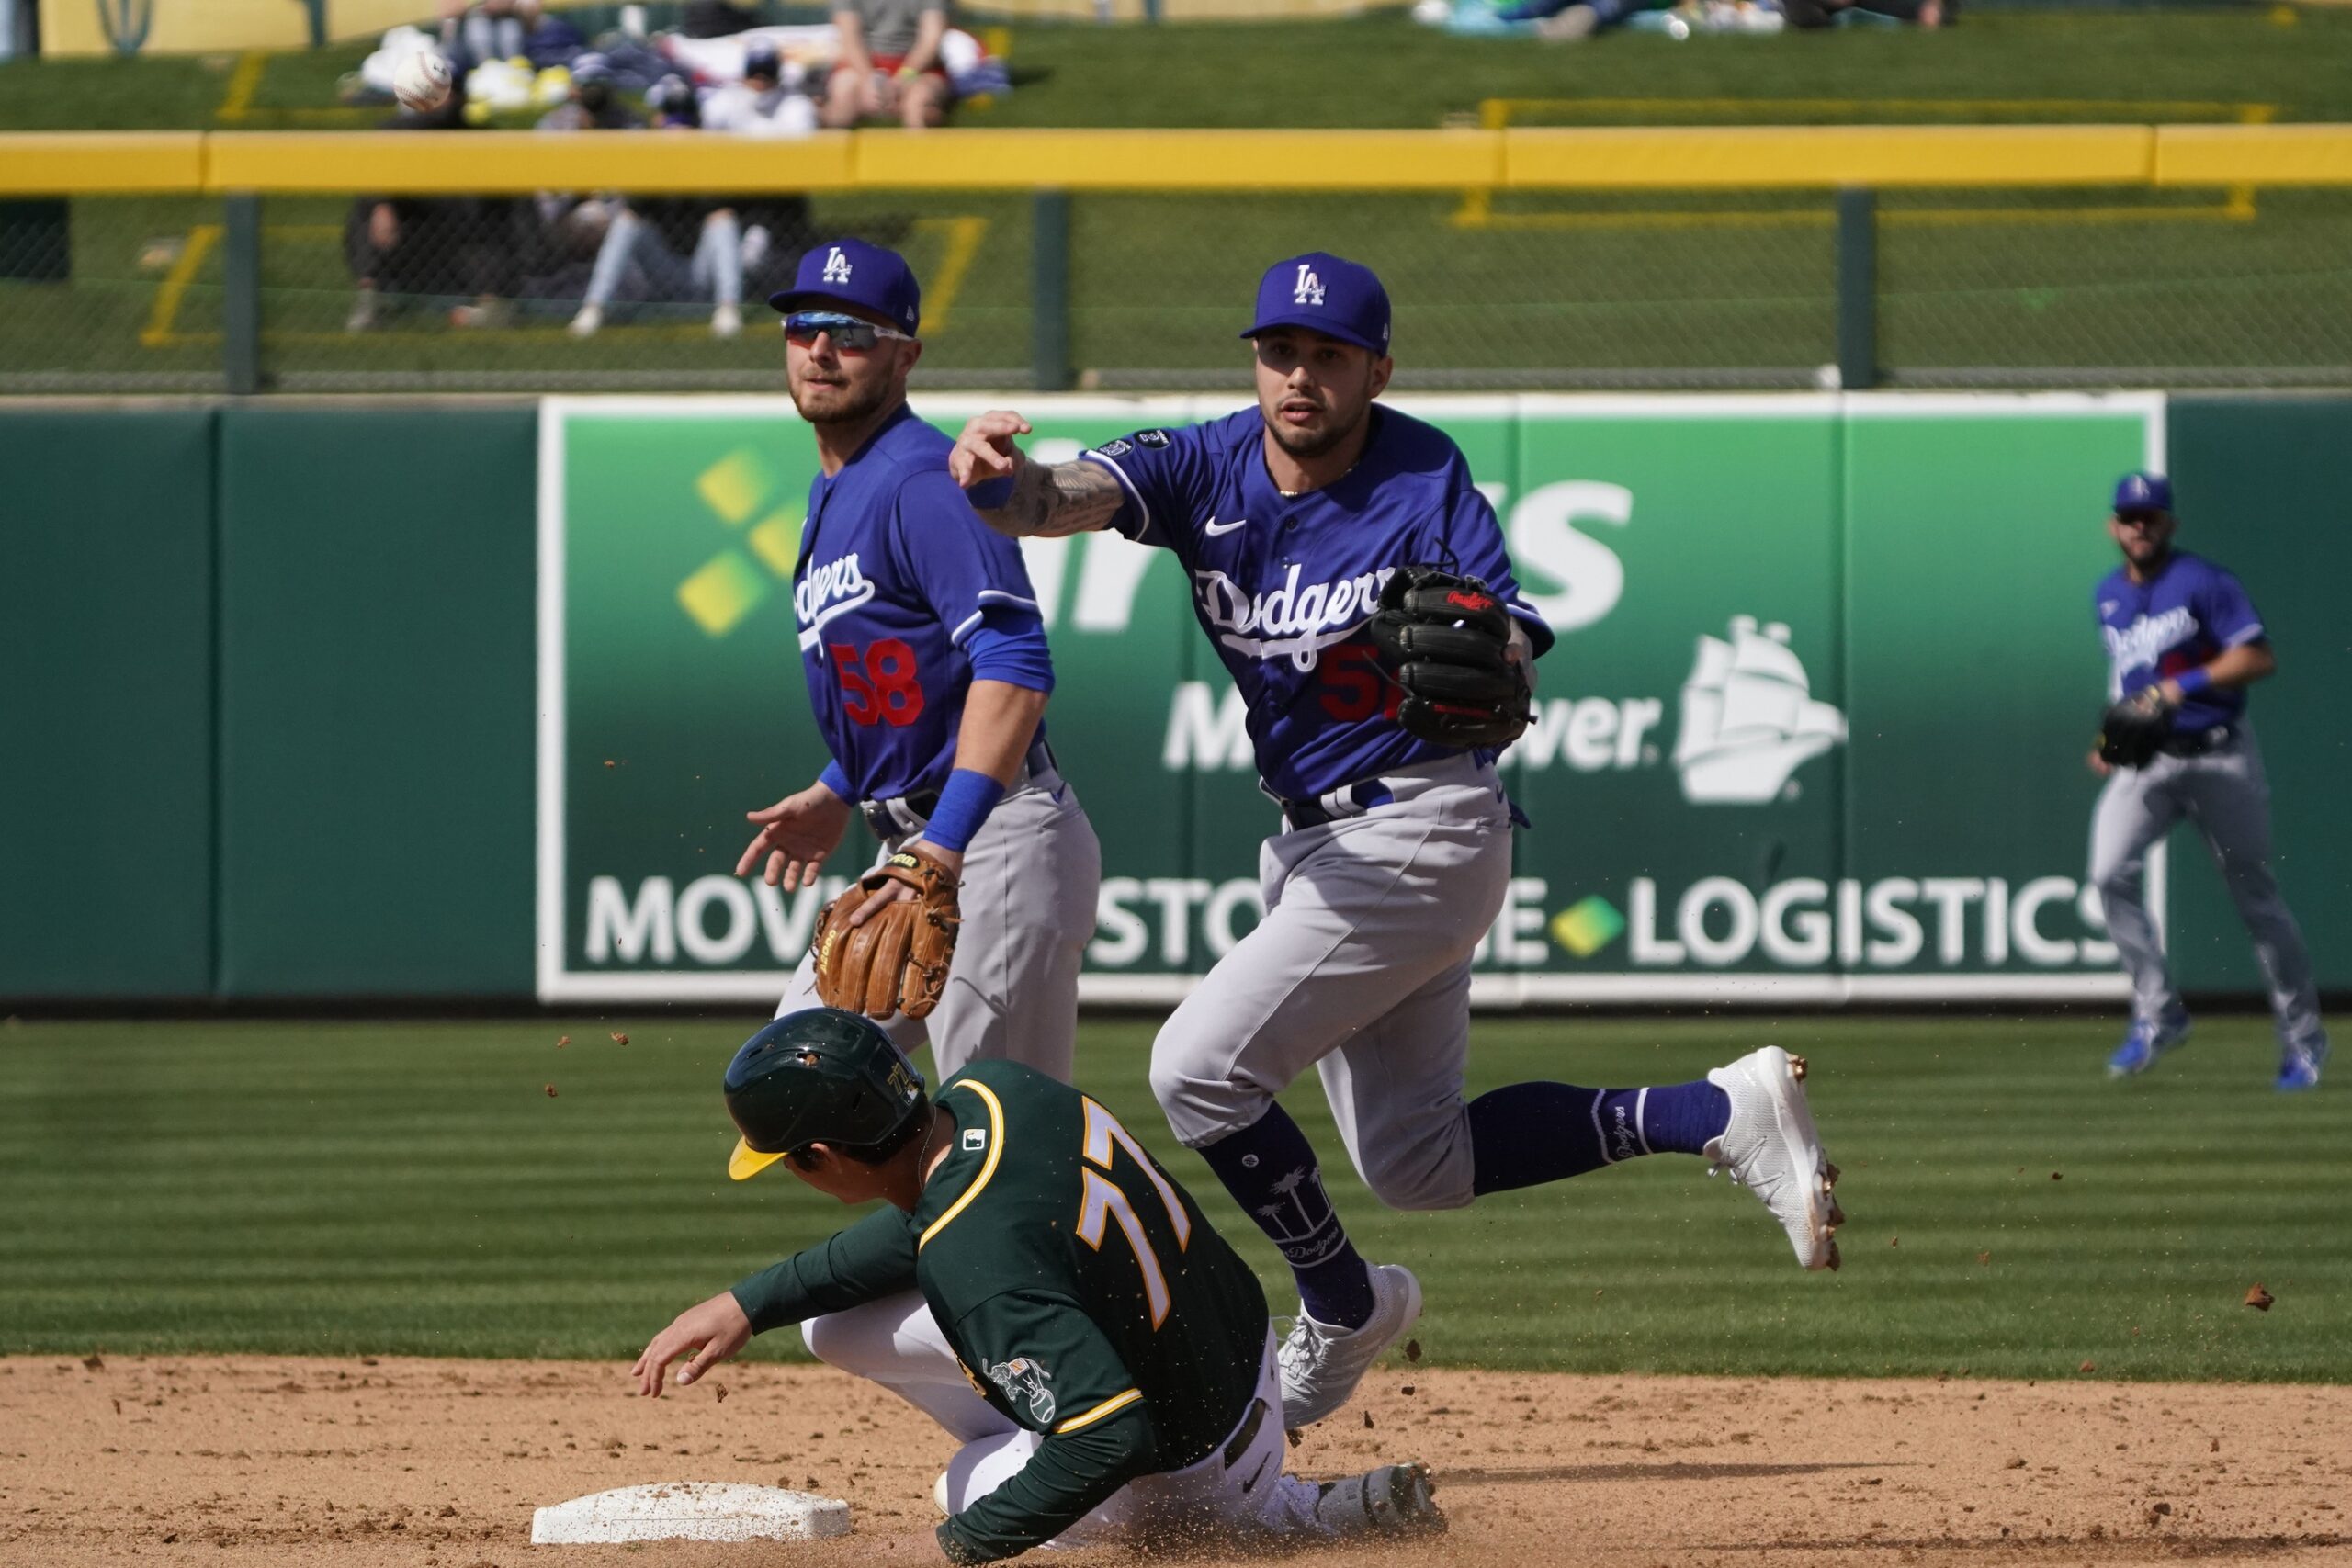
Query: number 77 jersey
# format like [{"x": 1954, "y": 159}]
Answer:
[{"x": 1074, "y": 1277}]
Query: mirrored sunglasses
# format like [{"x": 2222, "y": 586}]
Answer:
[{"x": 849, "y": 334}]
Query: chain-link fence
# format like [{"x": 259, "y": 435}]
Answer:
[{"x": 1657, "y": 289}]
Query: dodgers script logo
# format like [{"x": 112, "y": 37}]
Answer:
[
  {"x": 833, "y": 589},
  {"x": 836, "y": 266},
  {"x": 1293, "y": 621},
  {"x": 2146, "y": 640},
  {"x": 1310, "y": 288}
]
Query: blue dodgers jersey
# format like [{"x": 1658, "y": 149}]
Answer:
[
  {"x": 2185, "y": 616},
  {"x": 896, "y": 572},
  {"x": 1285, "y": 584}
]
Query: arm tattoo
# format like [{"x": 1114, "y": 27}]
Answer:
[{"x": 1053, "y": 500}]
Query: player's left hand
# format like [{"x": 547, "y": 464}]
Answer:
[
  {"x": 891, "y": 892},
  {"x": 712, "y": 1330}
]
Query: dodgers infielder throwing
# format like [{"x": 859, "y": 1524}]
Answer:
[
  {"x": 928, "y": 672},
  {"x": 1394, "y": 851},
  {"x": 2178, "y": 623}
]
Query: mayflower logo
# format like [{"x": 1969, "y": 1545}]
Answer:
[
  {"x": 1026, "y": 1381},
  {"x": 1749, "y": 718}
]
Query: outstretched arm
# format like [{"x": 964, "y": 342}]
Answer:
[{"x": 1048, "y": 501}]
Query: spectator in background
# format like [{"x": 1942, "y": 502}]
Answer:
[
  {"x": 1567, "y": 21},
  {"x": 762, "y": 103},
  {"x": 593, "y": 103},
  {"x": 670, "y": 248},
  {"x": 890, "y": 65},
  {"x": 487, "y": 29},
  {"x": 405, "y": 247}
]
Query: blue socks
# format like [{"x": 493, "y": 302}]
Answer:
[
  {"x": 1534, "y": 1132},
  {"x": 1520, "y": 1136},
  {"x": 1271, "y": 1172}
]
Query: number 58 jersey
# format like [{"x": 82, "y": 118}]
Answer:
[
  {"x": 896, "y": 573},
  {"x": 1074, "y": 1277}
]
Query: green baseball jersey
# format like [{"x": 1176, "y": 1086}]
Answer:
[{"x": 1079, "y": 1286}]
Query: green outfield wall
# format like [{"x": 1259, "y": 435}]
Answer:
[{"x": 407, "y": 699}]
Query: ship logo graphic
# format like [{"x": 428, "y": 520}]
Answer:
[{"x": 1748, "y": 719}]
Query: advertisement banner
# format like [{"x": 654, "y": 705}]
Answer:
[{"x": 1814, "y": 731}]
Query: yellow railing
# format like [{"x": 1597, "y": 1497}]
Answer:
[{"x": 1562, "y": 158}]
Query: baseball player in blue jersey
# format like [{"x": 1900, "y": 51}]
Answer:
[
  {"x": 2183, "y": 644},
  {"x": 1324, "y": 535},
  {"x": 928, "y": 670}
]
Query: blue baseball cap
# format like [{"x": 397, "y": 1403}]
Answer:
[
  {"x": 2143, "y": 492},
  {"x": 1325, "y": 294},
  {"x": 851, "y": 272}
]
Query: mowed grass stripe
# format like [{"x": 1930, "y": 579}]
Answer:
[{"x": 411, "y": 1188}]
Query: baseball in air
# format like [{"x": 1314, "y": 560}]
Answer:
[{"x": 421, "y": 81}]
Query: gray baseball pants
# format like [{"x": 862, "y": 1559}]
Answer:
[
  {"x": 2226, "y": 796},
  {"x": 1031, "y": 876},
  {"x": 1360, "y": 969}
]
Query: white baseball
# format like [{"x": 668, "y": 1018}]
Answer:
[{"x": 421, "y": 81}]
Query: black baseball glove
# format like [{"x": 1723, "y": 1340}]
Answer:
[
  {"x": 1446, "y": 638},
  {"x": 2131, "y": 731}
]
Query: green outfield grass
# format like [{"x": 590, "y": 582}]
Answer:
[{"x": 409, "y": 1188}]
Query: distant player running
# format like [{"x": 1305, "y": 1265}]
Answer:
[
  {"x": 1101, "y": 1353},
  {"x": 2184, "y": 643},
  {"x": 928, "y": 672},
  {"x": 1355, "y": 584}
]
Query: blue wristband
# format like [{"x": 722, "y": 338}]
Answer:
[
  {"x": 834, "y": 779},
  {"x": 990, "y": 494},
  {"x": 2192, "y": 681},
  {"x": 963, "y": 805}
]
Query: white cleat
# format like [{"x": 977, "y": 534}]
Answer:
[
  {"x": 1392, "y": 1500},
  {"x": 586, "y": 323},
  {"x": 1770, "y": 1148},
  {"x": 1321, "y": 1365},
  {"x": 727, "y": 322},
  {"x": 939, "y": 1493}
]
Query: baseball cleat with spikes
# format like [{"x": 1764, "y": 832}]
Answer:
[
  {"x": 1390, "y": 1500},
  {"x": 1770, "y": 1147},
  {"x": 1322, "y": 1364}
]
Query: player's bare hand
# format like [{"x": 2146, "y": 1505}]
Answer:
[
  {"x": 892, "y": 891},
  {"x": 2099, "y": 764},
  {"x": 709, "y": 1332},
  {"x": 986, "y": 449},
  {"x": 795, "y": 835}
]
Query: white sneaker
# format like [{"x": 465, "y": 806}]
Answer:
[
  {"x": 1321, "y": 1365},
  {"x": 585, "y": 324},
  {"x": 1393, "y": 1500},
  {"x": 1771, "y": 1148},
  {"x": 727, "y": 320}
]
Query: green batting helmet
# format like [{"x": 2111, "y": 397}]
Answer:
[{"x": 819, "y": 1076}]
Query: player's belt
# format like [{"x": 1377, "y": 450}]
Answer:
[
  {"x": 1246, "y": 1434},
  {"x": 1404, "y": 783},
  {"x": 2197, "y": 742},
  {"x": 904, "y": 815},
  {"x": 1337, "y": 805}
]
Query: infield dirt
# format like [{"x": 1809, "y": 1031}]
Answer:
[{"x": 356, "y": 1462}]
